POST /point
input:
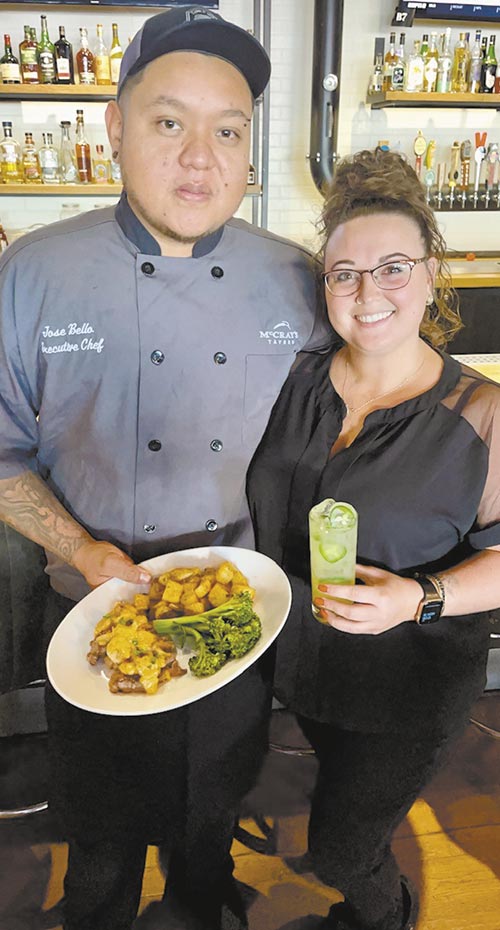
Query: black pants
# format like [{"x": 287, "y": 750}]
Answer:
[
  {"x": 104, "y": 879},
  {"x": 366, "y": 784},
  {"x": 174, "y": 780}
]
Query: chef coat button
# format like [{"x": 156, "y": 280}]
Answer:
[
  {"x": 217, "y": 272},
  {"x": 211, "y": 526},
  {"x": 216, "y": 445},
  {"x": 220, "y": 358},
  {"x": 154, "y": 445},
  {"x": 157, "y": 357},
  {"x": 148, "y": 268},
  {"x": 149, "y": 527}
]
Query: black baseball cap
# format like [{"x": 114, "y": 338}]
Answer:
[{"x": 195, "y": 29}]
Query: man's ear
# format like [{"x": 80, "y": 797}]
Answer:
[{"x": 114, "y": 125}]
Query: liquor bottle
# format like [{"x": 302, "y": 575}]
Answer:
[
  {"x": 9, "y": 64},
  {"x": 497, "y": 83},
  {"x": 28, "y": 58},
  {"x": 65, "y": 71},
  {"x": 389, "y": 62},
  {"x": 49, "y": 160},
  {"x": 85, "y": 60},
  {"x": 399, "y": 67},
  {"x": 476, "y": 61},
  {"x": 431, "y": 60},
  {"x": 415, "y": 70},
  {"x": 484, "y": 46},
  {"x": 460, "y": 67},
  {"x": 31, "y": 165},
  {"x": 489, "y": 69},
  {"x": 116, "y": 173},
  {"x": 443, "y": 85},
  {"x": 82, "y": 151},
  {"x": 115, "y": 55},
  {"x": 68, "y": 171},
  {"x": 46, "y": 56},
  {"x": 3, "y": 239},
  {"x": 424, "y": 45},
  {"x": 102, "y": 65},
  {"x": 11, "y": 165},
  {"x": 102, "y": 167},
  {"x": 376, "y": 77}
]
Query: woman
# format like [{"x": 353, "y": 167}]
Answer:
[{"x": 390, "y": 423}]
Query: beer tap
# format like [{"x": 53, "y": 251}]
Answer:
[
  {"x": 454, "y": 172},
  {"x": 441, "y": 170},
  {"x": 479, "y": 156},
  {"x": 465, "y": 153},
  {"x": 430, "y": 174}
]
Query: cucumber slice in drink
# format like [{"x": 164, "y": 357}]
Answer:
[
  {"x": 342, "y": 515},
  {"x": 332, "y": 552}
]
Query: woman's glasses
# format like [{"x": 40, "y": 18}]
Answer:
[{"x": 389, "y": 277}]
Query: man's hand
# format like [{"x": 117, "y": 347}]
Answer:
[
  {"x": 384, "y": 601},
  {"x": 100, "y": 561}
]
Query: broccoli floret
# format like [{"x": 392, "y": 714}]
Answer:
[
  {"x": 206, "y": 663},
  {"x": 225, "y": 632}
]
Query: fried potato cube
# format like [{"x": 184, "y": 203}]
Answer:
[
  {"x": 225, "y": 572},
  {"x": 141, "y": 601},
  {"x": 239, "y": 588},
  {"x": 163, "y": 610},
  {"x": 239, "y": 578},
  {"x": 156, "y": 589},
  {"x": 172, "y": 592},
  {"x": 203, "y": 587},
  {"x": 194, "y": 606},
  {"x": 185, "y": 574},
  {"x": 218, "y": 595}
]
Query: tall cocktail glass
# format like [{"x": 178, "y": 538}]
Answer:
[{"x": 333, "y": 530}]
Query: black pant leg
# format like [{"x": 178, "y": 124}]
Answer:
[
  {"x": 365, "y": 787},
  {"x": 103, "y": 885}
]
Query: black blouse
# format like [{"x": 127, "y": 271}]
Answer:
[{"x": 424, "y": 477}]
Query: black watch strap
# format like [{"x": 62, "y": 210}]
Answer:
[{"x": 431, "y": 606}]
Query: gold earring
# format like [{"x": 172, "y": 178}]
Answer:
[{"x": 430, "y": 300}]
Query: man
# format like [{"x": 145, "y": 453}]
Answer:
[{"x": 141, "y": 350}]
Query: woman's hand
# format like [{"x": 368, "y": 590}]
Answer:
[{"x": 384, "y": 601}]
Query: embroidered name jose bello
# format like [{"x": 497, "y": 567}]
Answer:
[{"x": 57, "y": 339}]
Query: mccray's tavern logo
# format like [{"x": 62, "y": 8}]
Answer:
[{"x": 280, "y": 335}]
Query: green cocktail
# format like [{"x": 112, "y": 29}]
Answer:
[{"x": 333, "y": 529}]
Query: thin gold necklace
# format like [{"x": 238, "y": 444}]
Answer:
[{"x": 351, "y": 410}]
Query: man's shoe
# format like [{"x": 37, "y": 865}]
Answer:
[
  {"x": 340, "y": 916},
  {"x": 410, "y": 904}
]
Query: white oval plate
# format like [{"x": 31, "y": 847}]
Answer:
[{"x": 86, "y": 686}]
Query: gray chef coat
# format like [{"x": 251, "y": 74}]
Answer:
[{"x": 138, "y": 386}]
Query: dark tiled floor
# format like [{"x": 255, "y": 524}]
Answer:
[{"x": 449, "y": 844}]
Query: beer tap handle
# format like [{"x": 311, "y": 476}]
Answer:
[
  {"x": 479, "y": 155},
  {"x": 492, "y": 157},
  {"x": 465, "y": 154},
  {"x": 430, "y": 174},
  {"x": 419, "y": 147}
]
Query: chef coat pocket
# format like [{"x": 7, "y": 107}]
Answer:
[{"x": 264, "y": 378}]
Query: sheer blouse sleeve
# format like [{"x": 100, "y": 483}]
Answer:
[{"x": 482, "y": 411}]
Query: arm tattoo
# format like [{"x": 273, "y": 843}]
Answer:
[{"x": 29, "y": 506}]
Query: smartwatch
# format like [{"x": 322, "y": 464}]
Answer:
[{"x": 431, "y": 606}]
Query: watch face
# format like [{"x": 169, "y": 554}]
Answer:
[{"x": 431, "y": 612}]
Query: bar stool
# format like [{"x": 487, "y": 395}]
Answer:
[
  {"x": 22, "y": 714},
  {"x": 492, "y": 689}
]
